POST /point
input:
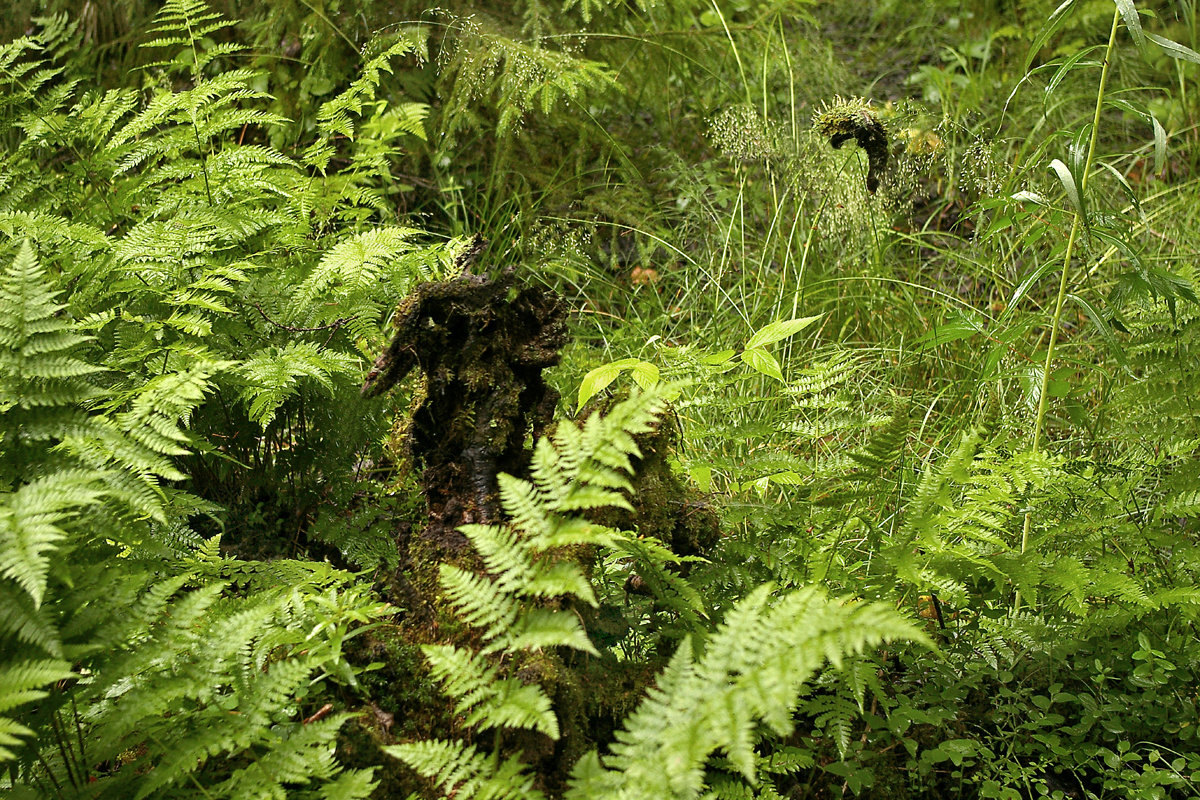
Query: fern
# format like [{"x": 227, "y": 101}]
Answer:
[
  {"x": 335, "y": 117},
  {"x": 485, "y": 698},
  {"x": 355, "y": 269},
  {"x": 515, "y": 77},
  {"x": 752, "y": 668},
  {"x": 42, "y": 381},
  {"x": 209, "y": 652},
  {"x": 751, "y": 671},
  {"x": 271, "y": 375},
  {"x": 160, "y": 227},
  {"x": 459, "y": 770},
  {"x": 522, "y": 603},
  {"x": 23, "y": 682}
]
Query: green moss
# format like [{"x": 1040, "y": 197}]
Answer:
[
  {"x": 482, "y": 344},
  {"x": 855, "y": 119}
]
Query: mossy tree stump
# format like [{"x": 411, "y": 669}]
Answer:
[{"x": 482, "y": 343}]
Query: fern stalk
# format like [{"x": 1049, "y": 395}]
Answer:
[{"x": 1062, "y": 283}]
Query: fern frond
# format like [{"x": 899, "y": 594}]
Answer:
[
  {"x": 520, "y": 78},
  {"x": 479, "y": 601},
  {"x": 357, "y": 265},
  {"x": 884, "y": 447},
  {"x": 26, "y": 626},
  {"x": 488, "y": 700},
  {"x": 35, "y": 341},
  {"x": 751, "y": 671},
  {"x": 542, "y": 628},
  {"x": 236, "y": 664},
  {"x": 192, "y": 17},
  {"x": 23, "y": 682},
  {"x": 335, "y": 116},
  {"x": 271, "y": 375},
  {"x": 462, "y": 771},
  {"x": 667, "y": 586},
  {"x": 31, "y": 525}
]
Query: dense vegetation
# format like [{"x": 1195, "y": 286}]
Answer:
[{"x": 819, "y": 419}]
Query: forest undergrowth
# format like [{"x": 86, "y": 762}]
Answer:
[{"x": 594, "y": 399}]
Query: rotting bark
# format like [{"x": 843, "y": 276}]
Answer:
[{"x": 482, "y": 343}]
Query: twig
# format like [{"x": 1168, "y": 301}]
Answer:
[
  {"x": 337, "y": 323},
  {"x": 321, "y": 712}
]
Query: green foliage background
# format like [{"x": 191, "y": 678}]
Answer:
[{"x": 949, "y": 427}]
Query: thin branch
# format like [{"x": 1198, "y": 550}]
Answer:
[{"x": 337, "y": 323}]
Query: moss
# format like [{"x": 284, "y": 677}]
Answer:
[
  {"x": 854, "y": 119},
  {"x": 481, "y": 343},
  {"x": 404, "y": 705}
]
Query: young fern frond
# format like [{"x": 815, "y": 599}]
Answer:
[{"x": 31, "y": 525}]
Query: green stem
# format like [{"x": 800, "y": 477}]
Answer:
[{"x": 1062, "y": 283}]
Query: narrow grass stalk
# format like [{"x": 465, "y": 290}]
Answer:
[{"x": 1076, "y": 223}]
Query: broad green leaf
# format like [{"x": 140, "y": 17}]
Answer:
[
  {"x": 716, "y": 359},
  {"x": 764, "y": 362},
  {"x": 645, "y": 374},
  {"x": 1112, "y": 239},
  {"x": 596, "y": 381},
  {"x": 1125, "y": 187},
  {"x": 776, "y": 331},
  {"x": 950, "y": 332},
  {"x": 1056, "y": 387},
  {"x": 1030, "y": 197},
  {"x": 786, "y": 478},
  {"x": 1032, "y": 278}
]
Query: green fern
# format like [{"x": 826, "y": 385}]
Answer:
[
  {"x": 460, "y": 770},
  {"x": 42, "y": 382},
  {"x": 236, "y": 666},
  {"x": 271, "y": 375},
  {"x": 750, "y": 673},
  {"x": 516, "y": 78},
  {"x": 521, "y": 604},
  {"x": 335, "y": 117},
  {"x": 752, "y": 668}
]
